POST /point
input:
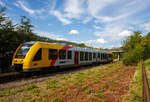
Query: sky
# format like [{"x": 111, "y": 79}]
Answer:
[{"x": 97, "y": 23}]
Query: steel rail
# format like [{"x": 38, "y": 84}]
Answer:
[{"x": 146, "y": 93}]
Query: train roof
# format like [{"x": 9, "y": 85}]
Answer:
[{"x": 73, "y": 48}]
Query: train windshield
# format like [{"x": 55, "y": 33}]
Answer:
[{"x": 23, "y": 50}]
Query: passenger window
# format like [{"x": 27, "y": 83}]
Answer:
[
  {"x": 69, "y": 54},
  {"x": 98, "y": 55},
  {"x": 94, "y": 55},
  {"x": 52, "y": 53},
  {"x": 38, "y": 55},
  {"x": 102, "y": 57},
  {"x": 90, "y": 56},
  {"x": 62, "y": 54},
  {"x": 81, "y": 56},
  {"x": 86, "y": 56}
]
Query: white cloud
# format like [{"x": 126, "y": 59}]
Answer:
[
  {"x": 97, "y": 41},
  {"x": 23, "y": 5},
  {"x": 97, "y": 27},
  {"x": 87, "y": 19},
  {"x": 146, "y": 26},
  {"x": 2, "y": 4},
  {"x": 98, "y": 10},
  {"x": 50, "y": 35},
  {"x": 73, "y": 8},
  {"x": 101, "y": 41},
  {"x": 111, "y": 31},
  {"x": 74, "y": 32},
  {"x": 119, "y": 9},
  {"x": 95, "y": 6},
  {"x": 25, "y": 8},
  {"x": 49, "y": 24},
  {"x": 60, "y": 17},
  {"x": 125, "y": 33}
]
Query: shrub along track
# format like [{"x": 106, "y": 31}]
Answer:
[{"x": 103, "y": 83}]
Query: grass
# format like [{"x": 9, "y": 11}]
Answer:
[
  {"x": 36, "y": 92},
  {"x": 64, "y": 84},
  {"x": 147, "y": 67},
  {"x": 135, "y": 90},
  {"x": 53, "y": 84},
  {"x": 100, "y": 95},
  {"x": 88, "y": 91},
  {"x": 6, "y": 93},
  {"x": 112, "y": 89},
  {"x": 78, "y": 100},
  {"x": 28, "y": 96},
  {"x": 30, "y": 87},
  {"x": 105, "y": 85},
  {"x": 56, "y": 99}
]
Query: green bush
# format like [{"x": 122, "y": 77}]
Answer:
[{"x": 136, "y": 48}]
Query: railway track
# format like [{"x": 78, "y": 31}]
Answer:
[{"x": 146, "y": 92}]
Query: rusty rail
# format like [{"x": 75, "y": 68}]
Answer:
[{"x": 146, "y": 93}]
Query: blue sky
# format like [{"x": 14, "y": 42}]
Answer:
[{"x": 97, "y": 23}]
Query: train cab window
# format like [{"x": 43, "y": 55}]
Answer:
[
  {"x": 86, "y": 56},
  {"x": 94, "y": 55},
  {"x": 69, "y": 55},
  {"x": 62, "y": 54},
  {"x": 52, "y": 53},
  {"x": 90, "y": 56},
  {"x": 38, "y": 55},
  {"x": 23, "y": 50},
  {"x": 81, "y": 56}
]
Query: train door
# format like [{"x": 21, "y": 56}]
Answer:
[{"x": 76, "y": 58}]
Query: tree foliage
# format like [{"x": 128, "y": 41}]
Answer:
[{"x": 136, "y": 47}]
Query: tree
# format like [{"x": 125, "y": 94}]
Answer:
[
  {"x": 2, "y": 17},
  {"x": 131, "y": 42},
  {"x": 25, "y": 26},
  {"x": 133, "y": 49}
]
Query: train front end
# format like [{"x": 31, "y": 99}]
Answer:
[{"x": 19, "y": 58}]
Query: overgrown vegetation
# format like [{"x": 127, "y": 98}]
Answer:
[
  {"x": 98, "y": 84},
  {"x": 135, "y": 90},
  {"x": 136, "y": 48}
]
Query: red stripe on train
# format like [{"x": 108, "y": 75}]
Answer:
[
  {"x": 54, "y": 60},
  {"x": 66, "y": 47}
]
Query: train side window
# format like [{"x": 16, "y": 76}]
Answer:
[
  {"x": 38, "y": 55},
  {"x": 69, "y": 54},
  {"x": 62, "y": 54},
  {"x": 90, "y": 56},
  {"x": 52, "y": 53},
  {"x": 102, "y": 56},
  {"x": 86, "y": 56},
  {"x": 98, "y": 55},
  {"x": 81, "y": 56},
  {"x": 94, "y": 55}
]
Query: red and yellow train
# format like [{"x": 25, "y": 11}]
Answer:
[{"x": 34, "y": 56}]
